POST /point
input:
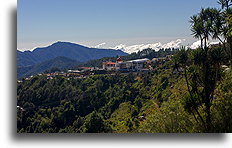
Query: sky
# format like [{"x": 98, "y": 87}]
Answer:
[{"x": 105, "y": 22}]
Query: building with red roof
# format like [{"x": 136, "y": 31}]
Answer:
[{"x": 108, "y": 65}]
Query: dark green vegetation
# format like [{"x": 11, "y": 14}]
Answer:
[
  {"x": 115, "y": 103},
  {"x": 190, "y": 93},
  {"x": 205, "y": 69}
]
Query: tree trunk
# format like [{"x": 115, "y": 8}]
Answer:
[
  {"x": 230, "y": 107},
  {"x": 208, "y": 116},
  {"x": 201, "y": 43},
  {"x": 205, "y": 43},
  {"x": 206, "y": 98},
  {"x": 230, "y": 48},
  {"x": 192, "y": 100}
]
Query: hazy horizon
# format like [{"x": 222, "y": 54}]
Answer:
[{"x": 110, "y": 44}]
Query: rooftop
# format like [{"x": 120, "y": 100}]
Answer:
[
  {"x": 85, "y": 67},
  {"x": 139, "y": 60},
  {"x": 119, "y": 59},
  {"x": 109, "y": 63}
]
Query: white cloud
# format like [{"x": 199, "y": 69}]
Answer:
[
  {"x": 99, "y": 45},
  {"x": 197, "y": 44},
  {"x": 155, "y": 46}
]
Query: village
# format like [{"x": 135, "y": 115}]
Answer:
[{"x": 108, "y": 67}]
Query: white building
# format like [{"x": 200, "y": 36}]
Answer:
[{"x": 133, "y": 65}]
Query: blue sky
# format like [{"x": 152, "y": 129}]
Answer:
[{"x": 91, "y": 22}]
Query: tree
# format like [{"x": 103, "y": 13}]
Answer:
[
  {"x": 202, "y": 72},
  {"x": 201, "y": 25},
  {"x": 206, "y": 66},
  {"x": 227, "y": 15},
  {"x": 94, "y": 123},
  {"x": 196, "y": 28}
]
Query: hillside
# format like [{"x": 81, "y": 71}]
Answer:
[
  {"x": 153, "y": 102},
  {"x": 58, "y": 63}
]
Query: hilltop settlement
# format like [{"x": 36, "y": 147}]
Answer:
[{"x": 109, "y": 67}]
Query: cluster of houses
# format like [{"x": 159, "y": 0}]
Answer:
[
  {"x": 133, "y": 65},
  {"x": 120, "y": 65},
  {"x": 137, "y": 65},
  {"x": 82, "y": 72}
]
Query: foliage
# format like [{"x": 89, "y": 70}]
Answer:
[
  {"x": 114, "y": 103},
  {"x": 189, "y": 94}
]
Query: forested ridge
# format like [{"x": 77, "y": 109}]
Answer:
[
  {"x": 191, "y": 93},
  {"x": 145, "y": 102}
]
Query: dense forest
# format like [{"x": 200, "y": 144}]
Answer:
[
  {"x": 191, "y": 93},
  {"x": 115, "y": 103}
]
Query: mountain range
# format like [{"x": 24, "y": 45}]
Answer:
[
  {"x": 66, "y": 49},
  {"x": 59, "y": 55}
]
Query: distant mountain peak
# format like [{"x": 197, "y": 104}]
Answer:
[
  {"x": 66, "y": 44},
  {"x": 64, "y": 49},
  {"x": 62, "y": 43}
]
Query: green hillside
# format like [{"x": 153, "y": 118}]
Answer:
[{"x": 116, "y": 103}]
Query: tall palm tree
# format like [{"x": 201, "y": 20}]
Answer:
[
  {"x": 225, "y": 3},
  {"x": 217, "y": 25},
  {"x": 202, "y": 25},
  {"x": 196, "y": 28},
  {"x": 207, "y": 23}
]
